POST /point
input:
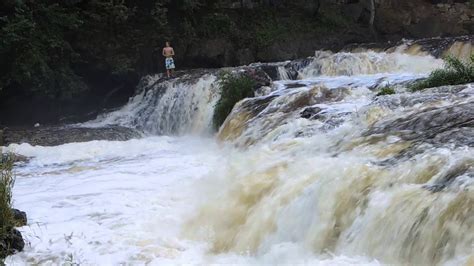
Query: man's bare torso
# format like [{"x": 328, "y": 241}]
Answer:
[{"x": 168, "y": 51}]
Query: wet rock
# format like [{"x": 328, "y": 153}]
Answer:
[
  {"x": 436, "y": 46},
  {"x": 433, "y": 125},
  {"x": 294, "y": 66},
  {"x": 19, "y": 217},
  {"x": 275, "y": 109},
  {"x": 462, "y": 169},
  {"x": 463, "y": 136},
  {"x": 271, "y": 70},
  {"x": 256, "y": 105},
  {"x": 11, "y": 242},
  {"x": 456, "y": 89},
  {"x": 310, "y": 112},
  {"x": 258, "y": 75},
  {"x": 52, "y": 136},
  {"x": 294, "y": 85},
  {"x": 16, "y": 158},
  {"x": 181, "y": 76}
]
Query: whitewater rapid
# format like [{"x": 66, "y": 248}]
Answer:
[
  {"x": 110, "y": 203},
  {"x": 318, "y": 171},
  {"x": 106, "y": 202}
]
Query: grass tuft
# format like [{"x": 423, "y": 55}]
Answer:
[
  {"x": 454, "y": 72},
  {"x": 234, "y": 87},
  {"x": 7, "y": 180},
  {"x": 387, "y": 90}
]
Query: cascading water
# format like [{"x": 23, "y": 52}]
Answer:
[
  {"x": 179, "y": 106},
  {"x": 282, "y": 73},
  {"x": 349, "y": 64},
  {"x": 317, "y": 170}
]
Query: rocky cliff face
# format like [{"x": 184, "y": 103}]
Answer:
[{"x": 420, "y": 19}]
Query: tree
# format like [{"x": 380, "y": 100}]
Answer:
[{"x": 372, "y": 17}]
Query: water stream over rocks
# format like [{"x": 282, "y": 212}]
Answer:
[{"x": 316, "y": 169}]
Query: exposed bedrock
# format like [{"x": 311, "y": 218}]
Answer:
[{"x": 52, "y": 136}]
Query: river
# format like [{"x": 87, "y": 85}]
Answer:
[{"x": 356, "y": 180}]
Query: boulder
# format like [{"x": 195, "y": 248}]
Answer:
[
  {"x": 19, "y": 217},
  {"x": 10, "y": 243},
  {"x": 310, "y": 112}
]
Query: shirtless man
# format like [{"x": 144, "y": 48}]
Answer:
[{"x": 168, "y": 52}]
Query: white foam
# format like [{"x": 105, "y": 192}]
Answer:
[
  {"x": 174, "y": 107},
  {"x": 107, "y": 203},
  {"x": 348, "y": 64},
  {"x": 124, "y": 209}
]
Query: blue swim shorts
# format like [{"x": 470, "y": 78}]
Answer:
[{"x": 169, "y": 63}]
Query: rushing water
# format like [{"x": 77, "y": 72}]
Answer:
[{"x": 316, "y": 171}]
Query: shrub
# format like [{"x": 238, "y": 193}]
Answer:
[
  {"x": 33, "y": 52},
  {"x": 387, "y": 90},
  {"x": 6, "y": 184},
  {"x": 234, "y": 87},
  {"x": 454, "y": 72}
]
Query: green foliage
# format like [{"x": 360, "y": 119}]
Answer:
[
  {"x": 54, "y": 48},
  {"x": 331, "y": 19},
  {"x": 234, "y": 87},
  {"x": 6, "y": 184},
  {"x": 190, "y": 5},
  {"x": 387, "y": 90},
  {"x": 33, "y": 51},
  {"x": 268, "y": 31},
  {"x": 158, "y": 13},
  {"x": 270, "y": 25},
  {"x": 215, "y": 25},
  {"x": 105, "y": 33},
  {"x": 454, "y": 72},
  {"x": 47, "y": 45}
]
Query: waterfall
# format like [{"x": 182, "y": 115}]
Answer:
[
  {"x": 179, "y": 106},
  {"x": 283, "y": 73},
  {"x": 325, "y": 163},
  {"x": 348, "y": 64},
  {"x": 390, "y": 177},
  {"x": 318, "y": 168},
  {"x": 185, "y": 105}
]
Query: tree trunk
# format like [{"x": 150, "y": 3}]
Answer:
[
  {"x": 318, "y": 6},
  {"x": 372, "y": 19}
]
